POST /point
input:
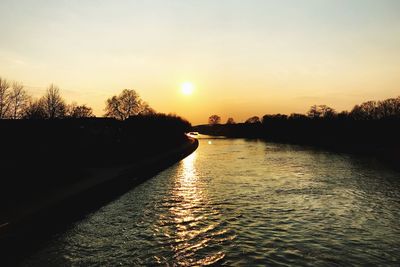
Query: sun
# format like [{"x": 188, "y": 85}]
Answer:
[{"x": 187, "y": 88}]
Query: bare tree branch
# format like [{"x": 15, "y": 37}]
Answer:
[{"x": 127, "y": 103}]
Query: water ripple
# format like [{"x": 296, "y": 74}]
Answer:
[{"x": 241, "y": 203}]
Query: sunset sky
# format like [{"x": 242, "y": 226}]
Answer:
[{"x": 244, "y": 58}]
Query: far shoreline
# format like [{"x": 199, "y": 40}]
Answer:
[{"x": 386, "y": 154}]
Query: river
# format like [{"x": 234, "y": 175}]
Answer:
[{"x": 240, "y": 202}]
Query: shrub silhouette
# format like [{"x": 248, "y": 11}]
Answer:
[{"x": 214, "y": 120}]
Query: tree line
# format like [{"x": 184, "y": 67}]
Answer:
[
  {"x": 370, "y": 110},
  {"x": 16, "y": 103},
  {"x": 48, "y": 129}
]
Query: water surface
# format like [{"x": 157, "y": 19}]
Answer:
[{"x": 240, "y": 202}]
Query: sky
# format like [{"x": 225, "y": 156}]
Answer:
[{"x": 244, "y": 58}]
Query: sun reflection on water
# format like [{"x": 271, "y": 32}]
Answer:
[
  {"x": 189, "y": 196},
  {"x": 192, "y": 233},
  {"x": 188, "y": 175}
]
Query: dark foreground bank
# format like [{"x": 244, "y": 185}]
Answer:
[{"x": 43, "y": 196}]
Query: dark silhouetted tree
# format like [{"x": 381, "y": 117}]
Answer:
[
  {"x": 53, "y": 103},
  {"x": 297, "y": 116},
  {"x": 366, "y": 111},
  {"x": 357, "y": 113},
  {"x": 230, "y": 121},
  {"x": 373, "y": 110},
  {"x": 214, "y": 120},
  {"x": 389, "y": 108},
  {"x": 5, "y": 98},
  {"x": 321, "y": 111},
  {"x": 127, "y": 103},
  {"x": 19, "y": 100},
  {"x": 34, "y": 110},
  {"x": 314, "y": 112},
  {"x": 327, "y": 112},
  {"x": 343, "y": 115},
  {"x": 80, "y": 111},
  {"x": 254, "y": 119}
]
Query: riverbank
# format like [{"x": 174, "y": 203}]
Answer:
[{"x": 32, "y": 222}]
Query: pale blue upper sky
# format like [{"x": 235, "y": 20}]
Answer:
[{"x": 245, "y": 57}]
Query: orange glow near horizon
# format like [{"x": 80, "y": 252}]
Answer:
[{"x": 242, "y": 58}]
